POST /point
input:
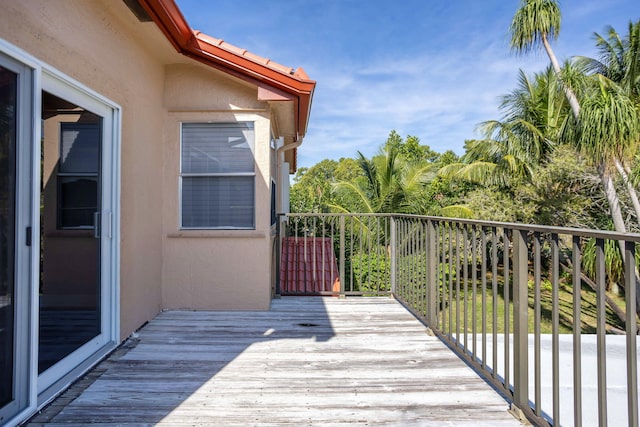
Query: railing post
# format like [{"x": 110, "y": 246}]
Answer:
[
  {"x": 342, "y": 257},
  {"x": 393, "y": 243},
  {"x": 632, "y": 330},
  {"x": 601, "y": 341},
  {"x": 520, "y": 321},
  {"x": 280, "y": 220},
  {"x": 431, "y": 275},
  {"x": 577, "y": 334}
]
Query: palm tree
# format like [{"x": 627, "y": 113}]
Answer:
[
  {"x": 390, "y": 184},
  {"x": 608, "y": 129},
  {"x": 540, "y": 109},
  {"x": 489, "y": 162},
  {"x": 536, "y": 23},
  {"x": 619, "y": 59},
  {"x": 535, "y": 114},
  {"x": 619, "y": 62}
]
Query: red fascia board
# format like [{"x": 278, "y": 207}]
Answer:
[{"x": 169, "y": 18}]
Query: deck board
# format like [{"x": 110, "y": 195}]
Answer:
[{"x": 363, "y": 361}]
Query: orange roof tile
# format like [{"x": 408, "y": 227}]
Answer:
[
  {"x": 282, "y": 80},
  {"x": 243, "y": 52}
]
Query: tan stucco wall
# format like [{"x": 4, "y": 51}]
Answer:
[
  {"x": 102, "y": 45},
  {"x": 93, "y": 42},
  {"x": 214, "y": 269}
]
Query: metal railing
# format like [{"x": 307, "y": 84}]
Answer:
[
  {"x": 335, "y": 254},
  {"x": 500, "y": 295}
]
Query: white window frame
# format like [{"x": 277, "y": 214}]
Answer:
[{"x": 234, "y": 174}]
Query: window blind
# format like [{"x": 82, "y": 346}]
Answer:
[
  {"x": 79, "y": 147},
  {"x": 78, "y": 172},
  {"x": 218, "y": 175}
]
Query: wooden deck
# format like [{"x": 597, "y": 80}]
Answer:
[{"x": 307, "y": 361}]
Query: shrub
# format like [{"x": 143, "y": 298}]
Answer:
[{"x": 371, "y": 271}]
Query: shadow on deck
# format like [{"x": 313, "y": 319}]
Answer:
[{"x": 307, "y": 361}]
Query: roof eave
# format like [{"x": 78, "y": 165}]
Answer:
[{"x": 169, "y": 19}]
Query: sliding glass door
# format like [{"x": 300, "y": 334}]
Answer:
[
  {"x": 59, "y": 248},
  {"x": 15, "y": 156},
  {"x": 76, "y": 279},
  {"x": 8, "y": 106},
  {"x": 70, "y": 235}
]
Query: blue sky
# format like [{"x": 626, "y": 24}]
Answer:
[{"x": 432, "y": 69}]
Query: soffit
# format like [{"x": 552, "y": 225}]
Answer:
[{"x": 145, "y": 34}]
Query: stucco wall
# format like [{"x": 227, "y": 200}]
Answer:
[
  {"x": 94, "y": 43},
  {"x": 103, "y": 46},
  {"x": 214, "y": 269}
]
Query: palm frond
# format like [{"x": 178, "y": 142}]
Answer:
[
  {"x": 608, "y": 125},
  {"x": 533, "y": 21},
  {"x": 370, "y": 173},
  {"x": 354, "y": 189},
  {"x": 477, "y": 172},
  {"x": 451, "y": 170},
  {"x": 457, "y": 211}
]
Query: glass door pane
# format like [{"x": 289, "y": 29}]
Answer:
[
  {"x": 69, "y": 229},
  {"x": 8, "y": 107}
]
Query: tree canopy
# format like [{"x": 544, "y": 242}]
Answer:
[{"x": 563, "y": 152}]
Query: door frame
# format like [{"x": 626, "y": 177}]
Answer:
[{"x": 39, "y": 390}]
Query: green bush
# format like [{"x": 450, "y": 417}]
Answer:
[{"x": 371, "y": 271}]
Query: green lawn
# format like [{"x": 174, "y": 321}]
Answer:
[{"x": 448, "y": 317}]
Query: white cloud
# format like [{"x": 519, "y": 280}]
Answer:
[{"x": 440, "y": 98}]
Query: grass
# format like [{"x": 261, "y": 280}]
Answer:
[{"x": 448, "y": 317}]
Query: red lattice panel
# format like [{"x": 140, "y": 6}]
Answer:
[{"x": 308, "y": 265}]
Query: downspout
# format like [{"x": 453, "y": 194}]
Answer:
[{"x": 280, "y": 150}]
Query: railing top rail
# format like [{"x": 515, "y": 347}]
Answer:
[
  {"x": 311, "y": 214},
  {"x": 536, "y": 228}
]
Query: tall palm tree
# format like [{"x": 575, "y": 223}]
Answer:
[
  {"x": 537, "y": 23},
  {"x": 619, "y": 61},
  {"x": 608, "y": 129}
]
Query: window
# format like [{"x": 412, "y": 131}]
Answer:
[
  {"x": 78, "y": 174},
  {"x": 217, "y": 176}
]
